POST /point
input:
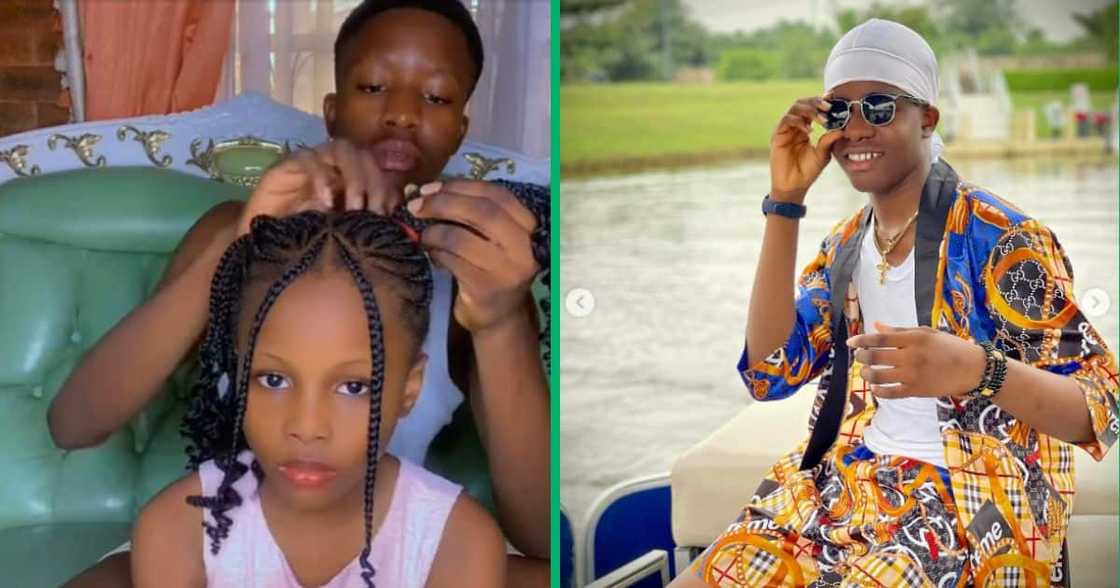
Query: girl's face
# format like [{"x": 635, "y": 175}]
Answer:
[{"x": 307, "y": 417}]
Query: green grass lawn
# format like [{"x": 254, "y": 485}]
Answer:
[{"x": 658, "y": 121}]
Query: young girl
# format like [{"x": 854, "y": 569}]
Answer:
[
  {"x": 956, "y": 370},
  {"x": 405, "y": 71},
  {"x": 311, "y": 356}
]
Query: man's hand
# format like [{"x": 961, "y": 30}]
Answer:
[
  {"x": 795, "y": 162},
  {"x": 486, "y": 246},
  {"x": 333, "y": 176},
  {"x": 922, "y": 362}
]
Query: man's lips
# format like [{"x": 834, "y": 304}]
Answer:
[
  {"x": 307, "y": 473},
  {"x": 396, "y": 155}
]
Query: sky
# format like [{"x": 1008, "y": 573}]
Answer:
[{"x": 1051, "y": 16}]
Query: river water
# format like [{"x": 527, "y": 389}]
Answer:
[{"x": 669, "y": 257}]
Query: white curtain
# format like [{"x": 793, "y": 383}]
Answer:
[
  {"x": 511, "y": 108},
  {"x": 285, "y": 49}
]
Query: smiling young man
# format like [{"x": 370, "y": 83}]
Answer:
[
  {"x": 952, "y": 356},
  {"x": 405, "y": 70}
]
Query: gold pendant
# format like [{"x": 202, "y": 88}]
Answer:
[{"x": 883, "y": 266}]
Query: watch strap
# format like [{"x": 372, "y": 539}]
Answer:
[{"x": 786, "y": 209}]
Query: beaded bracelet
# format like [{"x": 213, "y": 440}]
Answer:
[{"x": 995, "y": 370}]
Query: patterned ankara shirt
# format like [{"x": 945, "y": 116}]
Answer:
[{"x": 986, "y": 272}]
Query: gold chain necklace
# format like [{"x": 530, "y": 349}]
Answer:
[{"x": 892, "y": 242}]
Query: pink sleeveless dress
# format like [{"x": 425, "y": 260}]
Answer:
[{"x": 401, "y": 552}]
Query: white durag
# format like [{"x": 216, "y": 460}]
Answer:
[{"x": 885, "y": 51}]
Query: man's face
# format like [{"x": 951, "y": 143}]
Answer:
[
  {"x": 402, "y": 93},
  {"x": 877, "y": 159}
]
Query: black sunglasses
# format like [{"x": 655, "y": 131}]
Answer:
[{"x": 878, "y": 109}]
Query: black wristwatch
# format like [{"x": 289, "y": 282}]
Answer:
[{"x": 786, "y": 209}]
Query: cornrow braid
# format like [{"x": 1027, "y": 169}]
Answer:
[{"x": 291, "y": 246}]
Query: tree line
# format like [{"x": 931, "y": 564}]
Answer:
[{"x": 629, "y": 40}]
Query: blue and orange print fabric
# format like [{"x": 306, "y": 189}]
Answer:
[{"x": 1000, "y": 276}]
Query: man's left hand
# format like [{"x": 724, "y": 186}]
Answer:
[
  {"x": 919, "y": 361},
  {"x": 487, "y": 249}
]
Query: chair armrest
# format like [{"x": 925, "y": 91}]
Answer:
[{"x": 654, "y": 561}]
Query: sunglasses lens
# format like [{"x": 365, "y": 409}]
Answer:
[
  {"x": 837, "y": 115},
  {"x": 878, "y": 109}
]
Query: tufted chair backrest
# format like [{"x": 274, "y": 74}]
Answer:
[{"x": 78, "y": 251}]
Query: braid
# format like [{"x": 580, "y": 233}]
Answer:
[
  {"x": 202, "y": 423},
  {"x": 270, "y": 297},
  {"x": 537, "y": 199},
  {"x": 376, "y": 385},
  {"x": 384, "y": 249},
  {"x": 232, "y": 469},
  {"x": 365, "y": 242}
]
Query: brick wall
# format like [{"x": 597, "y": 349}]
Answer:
[{"x": 31, "y": 94}]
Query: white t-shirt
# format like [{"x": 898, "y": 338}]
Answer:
[{"x": 901, "y": 426}]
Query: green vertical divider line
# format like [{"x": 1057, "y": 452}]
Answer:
[{"x": 555, "y": 304}]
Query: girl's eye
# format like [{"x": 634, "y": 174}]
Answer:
[
  {"x": 433, "y": 99},
  {"x": 273, "y": 381},
  {"x": 371, "y": 88},
  {"x": 354, "y": 388}
]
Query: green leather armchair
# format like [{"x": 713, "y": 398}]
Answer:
[{"x": 79, "y": 250}]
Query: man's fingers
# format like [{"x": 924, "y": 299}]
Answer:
[
  {"x": 484, "y": 215},
  {"x": 496, "y": 193},
  {"x": 807, "y": 109},
  {"x": 892, "y": 391},
  {"x": 345, "y": 158},
  {"x": 898, "y": 339},
  {"x": 873, "y": 375},
  {"x": 311, "y": 204},
  {"x": 366, "y": 187},
  {"x": 885, "y": 328},
  {"x": 793, "y": 121},
  {"x": 878, "y": 356},
  {"x": 380, "y": 196},
  {"x": 466, "y": 273},
  {"x": 464, "y": 244},
  {"x": 318, "y": 174},
  {"x": 824, "y": 144}
]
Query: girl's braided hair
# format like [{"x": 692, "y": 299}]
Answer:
[{"x": 280, "y": 250}]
